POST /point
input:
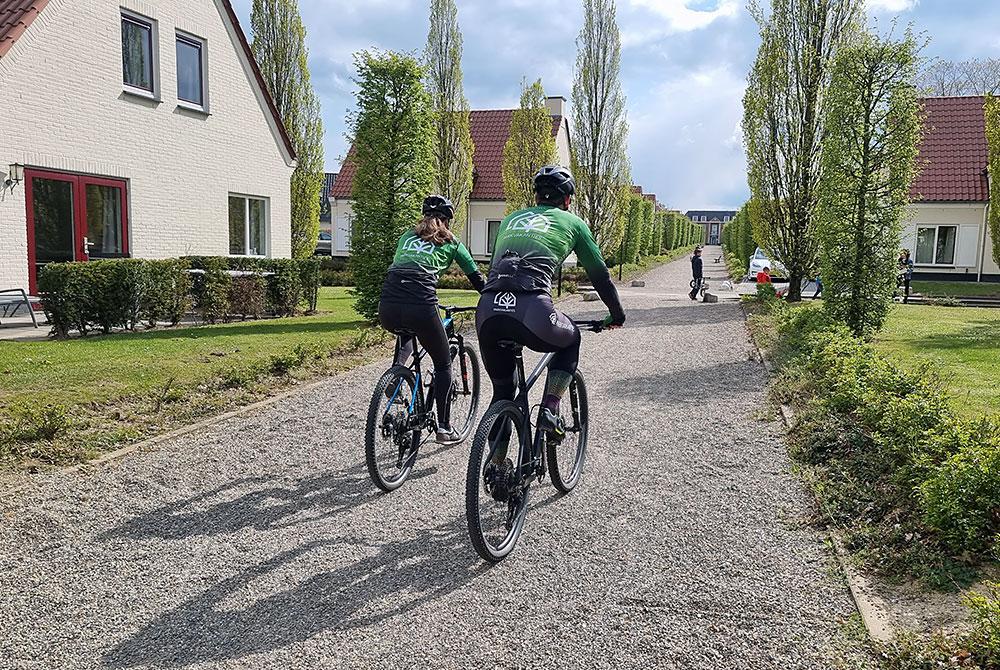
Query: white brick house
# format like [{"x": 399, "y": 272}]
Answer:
[
  {"x": 135, "y": 128},
  {"x": 490, "y": 130}
]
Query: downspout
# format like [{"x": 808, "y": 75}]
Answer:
[{"x": 986, "y": 231}]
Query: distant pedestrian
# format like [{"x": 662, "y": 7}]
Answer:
[
  {"x": 819, "y": 287},
  {"x": 905, "y": 270},
  {"x": 696, "y": 273},
  {"x": 764, "y": 276}
]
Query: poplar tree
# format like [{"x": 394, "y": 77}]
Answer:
[
  {"x": 992, "y": 111},
  {"x": 453, "y": 148},
  {"x": 873, "y": 123},
  {"x": 393, "y": 137},
  {"x": 600, "y": 127},
  {"x": 530, "y": 146},
  {"x": 279, "y": 46},
  {"x": 784, "y": 122}
]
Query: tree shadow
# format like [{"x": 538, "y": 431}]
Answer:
[
  {"x": 271, "y": 503},
  {"x": 978, "y": 334},
  {"x": 692, "y": 386},
  {"x": 682, "y": 314}
]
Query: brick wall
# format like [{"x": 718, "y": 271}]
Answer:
[{"x": 62, "y": 106}]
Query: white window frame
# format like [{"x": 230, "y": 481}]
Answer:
[
  {"x": 154, "y": 48},
  {"x": 246, "y": 225},
  {"x": 202, "y": 43},
  {"x": 937, "y": 232},
  {"x": 489, "y": 252}
]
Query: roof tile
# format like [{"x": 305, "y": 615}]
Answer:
[{"x": 953, "y": 152}]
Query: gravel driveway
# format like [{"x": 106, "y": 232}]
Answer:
[{"x": 260, "y": 542}]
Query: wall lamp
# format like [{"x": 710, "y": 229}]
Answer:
[{"x": 15, "y": 175}]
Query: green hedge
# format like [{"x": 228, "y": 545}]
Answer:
[
  {"x": 120, "y": 294},
  {"x": 915, "y": 485}
]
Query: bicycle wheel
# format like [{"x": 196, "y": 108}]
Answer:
[
  {"x": 565, "y": 457},
  {"x": 464, "y": 396},
  {"x": 496, "y": 498},
  {"x": 390, "y": 443}
]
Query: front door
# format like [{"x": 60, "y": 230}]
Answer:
[{"x": 73, "y": 218}]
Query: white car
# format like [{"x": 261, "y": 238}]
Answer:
[{"x": 759, "y": 261}]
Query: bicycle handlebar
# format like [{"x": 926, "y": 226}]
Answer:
[
  {"x": 592, "y": 326},
  {"x": 458, "y": 310}
]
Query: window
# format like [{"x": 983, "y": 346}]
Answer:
[
  {"x": 247, "y": 226},
  {"x": 492, "y": 229},
  {"x": 936, "y": 245},
  {"x": 138, "y": 54},
  {"x": 191, "y": 70}
]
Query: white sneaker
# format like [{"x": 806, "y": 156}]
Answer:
[{"x": 448, "y": 436}]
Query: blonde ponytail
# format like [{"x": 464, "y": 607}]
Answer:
[{"x": 434, "y": 229}]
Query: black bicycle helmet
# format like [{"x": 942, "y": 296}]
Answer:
[
  {"x": 553, "y": 181},
  {"x": 438, "y": 205}
]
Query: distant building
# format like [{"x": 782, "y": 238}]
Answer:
[
  {"x": 325, "y": 217},
  {"x": 490, "y": 130},
  {"x": 712, "y": 222},
  {"x": 946, "y": 230}
]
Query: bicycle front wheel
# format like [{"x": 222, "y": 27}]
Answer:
[
  {"x": 464, "y": 396},
  {"x": 496, "y": 496},
  {"x": 565, "y": 458},
  {"x": 390, "y": 441}
]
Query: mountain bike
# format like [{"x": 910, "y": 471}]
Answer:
[
  {"x": 507, "y": 456},
  {"x": 402, "y": 406}
]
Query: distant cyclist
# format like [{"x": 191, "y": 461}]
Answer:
[
  {"x": 409, "y": 295},
  {"x": 517, "y": 304}
]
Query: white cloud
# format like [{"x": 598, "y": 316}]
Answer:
[
  {"x": 891, "y": 5},
  {"x": 680, "y": 17}
]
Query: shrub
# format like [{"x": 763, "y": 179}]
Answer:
[
  {"x": 167, "y": 296},
  {"x": 336, "y": 278},
  {"x": 961, "y": 496},
  {"x": 285, "y": 287},
  {"x": 985, "y": 636},
  {"x": 65, "y": 295},
  {"x": 248, "y": 296},
  {"x": 212, "y": 290}
]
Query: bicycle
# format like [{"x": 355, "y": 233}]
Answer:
[
  {"x": 402, "y": 406},
  {"x": 496, "y": 488}
]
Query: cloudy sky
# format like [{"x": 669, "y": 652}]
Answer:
[{"x": 684, "y": 64}]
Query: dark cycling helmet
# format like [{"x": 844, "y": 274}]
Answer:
[
  {"x": 554, "y": 180},
  {"x": 438, "y": 205}
]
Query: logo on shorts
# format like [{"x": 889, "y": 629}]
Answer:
[
  {"x": 554, "y": 318},
  {"x": 418, "y": 246},
  {"x": 530, "y": 222},
  {"x": 505, "y": 302}
]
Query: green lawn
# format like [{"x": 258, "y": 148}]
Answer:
[
  {"x": 962, "y": 342},
  {"x": 121, "y": 387},
  {"x": 960, "y": 289}
]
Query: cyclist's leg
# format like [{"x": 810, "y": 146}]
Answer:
[
  {"x": 429, "y": 330},
  {"x": 555, "y": 332},
  {"x": 391, "y": 316}
]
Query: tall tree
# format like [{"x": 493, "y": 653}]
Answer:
[
  {"x": 279, "y": 46},
  {"x": 529, "y": 147},
  {"x": 453, "y": 147},
  {"x": 784, "y": 122},
  {"x": 992, "y": 111},
  {"x": 393, "y": 139},
  {"x": 600, "y": 127},
  {"x": 979, "y": 76},
  {"x": 873, "y": 122}
]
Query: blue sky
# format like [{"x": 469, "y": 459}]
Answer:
[{"x": 684, "y": 66}]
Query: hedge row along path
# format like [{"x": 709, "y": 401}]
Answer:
[{"x": 260, "y": 543}]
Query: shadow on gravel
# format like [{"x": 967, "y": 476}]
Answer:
[
  {"x": 692, "y": 386},
  {"x": 267, "y": 505},
  {"x": 391, "y": 580},
  {"x": 682, "y": 314}
]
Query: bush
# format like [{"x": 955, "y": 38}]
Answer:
[
  {"x": 167, "y": 296},
  {"x": 65, "y": 296},
  {"x": 985, "y": 636},
  {"x": 212, "y": 290},
  {"x": 285, "y": 287},
  {"x": 248, "y": 296}
]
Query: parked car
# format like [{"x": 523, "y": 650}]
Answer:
[
  {"x": 759, "y": 261},
  {"x": 324, "y": 245}
]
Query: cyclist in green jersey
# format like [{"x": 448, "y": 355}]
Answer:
[
  {"x": 409, "y": 301},
  {"x": 517, "y": 302}
]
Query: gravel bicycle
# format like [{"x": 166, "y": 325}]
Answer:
[
  {"x": 402, "y": 406},
  {"x": 507, "y": 456}
]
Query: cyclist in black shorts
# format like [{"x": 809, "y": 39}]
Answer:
[{"x": 517, "y": 302}]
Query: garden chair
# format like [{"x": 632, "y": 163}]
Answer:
[{"x": 13, "y": 299}]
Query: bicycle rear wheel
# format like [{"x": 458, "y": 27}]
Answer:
[
  {"x": 566, "y": 457},
  {"x": 390, "y": 444},
  {"x": 464, "y": 396},
  {"x": 496, "y": 498}
]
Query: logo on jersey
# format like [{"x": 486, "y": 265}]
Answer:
[
  {"x": 505, "y": 302},
  {"x": 530, "y": 222},
  {"x": 418, "y": 246}
]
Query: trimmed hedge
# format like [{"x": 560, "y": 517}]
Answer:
[{"x": 120, "y": 294}]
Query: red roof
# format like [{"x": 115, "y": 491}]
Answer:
[
  {"x": 489, "y": 129},
  {"x": 953, "y": 152},
  {"x": 17, "y": 15}
]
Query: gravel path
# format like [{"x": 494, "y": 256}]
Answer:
[{"x": 260, "y": 543}]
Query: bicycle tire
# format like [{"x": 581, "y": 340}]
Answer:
[
  {"x": 475, "y": 490},
  {"x": 373, "y": 426},
  {"x": 468, "y": 422},
  {"x": 566, "y": 480}
]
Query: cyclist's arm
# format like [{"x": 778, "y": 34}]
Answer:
[
  {"x": 469, "y": 267},
  {"x": 589, "y": 255}
]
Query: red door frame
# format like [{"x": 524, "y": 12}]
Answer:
[{"x": 79, "y": 182}]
